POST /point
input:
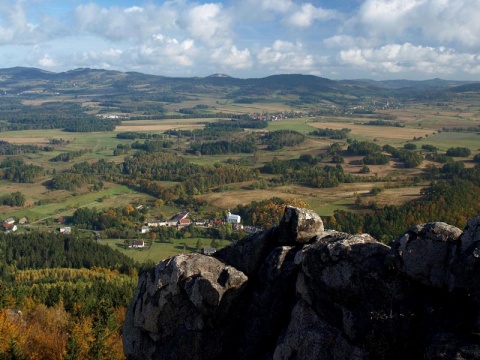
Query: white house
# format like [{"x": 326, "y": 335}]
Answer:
[
  {"x": 144, "y": 229},
  {"x": 233, "y": 219},
  {"x": 209, "y": 251},
  {"x": 65, "y": 230}
]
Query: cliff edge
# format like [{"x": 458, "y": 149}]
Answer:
[{"x": 298, "y": 291}]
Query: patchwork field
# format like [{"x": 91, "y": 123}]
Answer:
[{"x": 424, "y": 124}]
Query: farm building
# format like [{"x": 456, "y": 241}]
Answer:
[{"x": 233, "y": 219}]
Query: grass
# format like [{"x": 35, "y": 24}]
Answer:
[
  {"x": 421, "y": 122},
  {"x": 160, "y": 251},
  {"x": 64, "y": 203}
]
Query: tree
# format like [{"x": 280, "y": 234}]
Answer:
[
  {"x": 215, "y": 244},
  {"x": 225, "y": 230}
]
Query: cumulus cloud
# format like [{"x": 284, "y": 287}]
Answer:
[
  {"x": 348, "y": 41},
  {"x": 451, "y": 21},
  {"x": 47, "y": 61},
  {"x": 284, "y": 56},
  {"x": 396, "y": 58},
  {"x": 118, "y": 24},
  {"x": 208, "y": 23},
  {"x": 232, "y": 58},
  {"x": 180, "y": 37},
  {"x": 281, "y": 6},
  {"x": 307, "y": 14},
  {"x": 15, "y": 27}
]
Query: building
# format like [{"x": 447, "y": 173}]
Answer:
[
  {"x": 209, "y": 251},
  {"x": 9, "y": 227},
  {"x": 233, "y": 219},
  {"x": 184, "y": 222},
  {"x": 23, "y": 221},
  {"x": 66, "y": 230},
  {"x": 179, "y": 216},
  {"x": 9, "y": 221},
  {"x": 138, "y": 244},
  {"x": 144, "y": 229}
]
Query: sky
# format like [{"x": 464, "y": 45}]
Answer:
[{"x": 336, "y": 39}]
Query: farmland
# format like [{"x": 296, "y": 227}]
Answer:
[{"x": 198, "y": 115}]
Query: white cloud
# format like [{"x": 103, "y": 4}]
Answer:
[
  {"x": 281, "y": 6},
  {"x": 117, "y": 24},
  {"x": 232, "y": 58},
  {"x": 396, "y": 58},
  {"x": 284, "y": 56},
  {"x": 47, "y": 61},
  {"x": 15, "y": 28},
  {"x": 440, "y": 21},
  {"x": 308, "y": 13},
  {"x": 134, "y": 9},
  {"x": 347, "y": 41},
  {"x": 208, "y": 23}
]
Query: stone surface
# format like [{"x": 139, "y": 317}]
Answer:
[
  {"x": 308, "y": 337},
  {"x": 298, "y": 291},
  {"x": 465, "y": 267},
  {"x": 299, "y": 225},
  {"x": 180, "y": 301},
  {"x": 424, "y": 253}
]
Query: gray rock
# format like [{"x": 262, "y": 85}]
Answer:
[
  {"x": 447, "y": 346},
  {"x": 465, "y": 266},
  {"x": 424, "y": 253},
  {"x": 248, "y": 254},
  {"x": 299, "y": 292},
  {"x": 181, "y": 301},
  {"x": 308, "y": 337},
  {"x": 270, "y": 304},
  {"x": 342, "y": 277},
  {"x": 299, "y": 226}
]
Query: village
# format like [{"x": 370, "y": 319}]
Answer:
[{"x": 179, "y": 221}]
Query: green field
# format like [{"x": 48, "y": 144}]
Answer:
[
  {"x": 422, "y": 123},
  {"x": 159, "y": 251}
]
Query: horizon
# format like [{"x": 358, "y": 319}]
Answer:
[
  {"x": 229, "y": 76},
  {"x": 356, "y": 39}
]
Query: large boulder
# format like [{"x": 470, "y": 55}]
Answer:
[
  {"x": 181, "y": 307},
  {"x": 299, "y": 226},
  {"x": 465, "y": 267},
  {"x": 270, "y": 303},
  {"x": 424, "y": 253},
  {"x": 308, "y": 337},
  {"x": 298, "y": 291}
]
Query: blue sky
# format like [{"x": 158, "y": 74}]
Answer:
[{"x": 337, "y": 39}]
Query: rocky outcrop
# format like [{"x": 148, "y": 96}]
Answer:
[{"x": 298, "y": 291}]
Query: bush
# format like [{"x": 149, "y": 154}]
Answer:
[
  {"x": 458, "y": 152},
  {"x": 410, "y": 146}
]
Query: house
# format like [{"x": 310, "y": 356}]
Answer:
[
  {"x": 184, "y": 222},
  {"x": 138, "y": 244},
  {"x": 179, "y": 216},
  {"x": 9, "y": 221},
  {"x": 232, "y": 218},
  {"x": 65, "y": 230},
  {"x": 22, "y": 221},
  {"x": 9, "y": 227},
  {"x": 155, "y": 223},
  {"x": 144, "y": 229},
  {"x": 209, "y": 251}
]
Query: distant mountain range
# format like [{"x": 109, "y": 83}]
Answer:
[{"x": 22, "y": 79}]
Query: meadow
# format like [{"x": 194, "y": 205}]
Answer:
[{"x": 422, "y": 125}]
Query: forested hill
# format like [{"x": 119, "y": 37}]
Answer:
[
  {"x": 62, "y": 297},
  {"x": 20, "y": 79}
]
